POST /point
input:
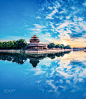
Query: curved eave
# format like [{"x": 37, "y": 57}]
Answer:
[
  {"x": 34, "y": 37},
  {"x": 36, "y": 45},
  {"x": 34, "y": 40}
]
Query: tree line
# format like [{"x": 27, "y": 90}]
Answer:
[
  {"x": 19, "y": 44},
  {"x": 62, "y": 46}
]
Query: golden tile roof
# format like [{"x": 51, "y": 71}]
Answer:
[{"x": 34, "y": 39}]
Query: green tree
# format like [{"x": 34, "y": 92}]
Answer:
[
  {"x": 62, "y": 46},
  {"x": 9, "y": 45},
  {"x": 67, "y": 47},
  {"x": 21, "y": 43},
  {"x": 51, "y": 45},
  {"x": 4, "y": 45},
  {"x": 57, "y": 46},
  {"x": 14, "y": 45},
  {"x": 1, "y": 45}
]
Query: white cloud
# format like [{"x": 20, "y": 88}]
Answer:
[
  {"x": 3, "y": 40},
  {"x": 63, "y": 11},
  {"x": 61, "y": 17},
  {"x": 83, "y": 25},
  {"x": 49, "y": 16},
  {"x": 68, "y": 17},
  {"x": 52, "y": 85},
  {"x": 26, "y": 25},
  {"x": 47, "y": 64},
  {"x": 48, "y": 34},
  {"x": 80, "y": 19},
  {"x": 51, "y": 24},
  {"x": 73, "y": 8},
  {"x": 84, "y": 4},
  {"x": 38, "y": 17},
  {"x": 76, "y": 19},
  {"x": 38, "y": 28},
  {"x": 67, "y": 21},
  {"x": 50, "y": 7},
  {"x": 57, "y": 4},
  {"x": 38, "y": 71}
]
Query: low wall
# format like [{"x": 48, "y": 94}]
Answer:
[
  {"x": 10, "y": 51},
  {"x": 47, "y": 51},
  {"x": 44, "y": 51}
]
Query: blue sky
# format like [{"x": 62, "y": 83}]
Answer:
[{"x": 58, "y": 21}]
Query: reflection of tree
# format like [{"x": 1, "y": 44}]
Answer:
[
  {"x": 52, "y": 56},
  {"x": 21, "y": 58},
  {"x": 67, "y": 52},
  {"x": 59, "y": 54},
  {"x": 18, "y": 58}
]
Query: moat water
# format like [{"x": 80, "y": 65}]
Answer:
[{"x": 51, "y": 76}]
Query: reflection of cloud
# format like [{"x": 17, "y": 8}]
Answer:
[
  {"x": 52, "y": 85},
  {"x": 47, "y": 64},
  {"x": 63, "y": 72},
  {"x": 78, "y": 56},
  {"x": 66, "y": 70},
  {"x": 38, "y": 71}
]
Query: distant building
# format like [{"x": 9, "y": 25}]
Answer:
[{"x": 34, "y": 44}]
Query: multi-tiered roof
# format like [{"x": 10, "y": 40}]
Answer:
[
  {"x": 35, "y": 45},
  {"x": 34, "y": 39}
]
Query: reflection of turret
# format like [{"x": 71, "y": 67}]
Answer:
[{"x": 34, "y": 61}]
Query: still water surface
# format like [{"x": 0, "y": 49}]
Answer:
[{"x": 52, "y": 76}]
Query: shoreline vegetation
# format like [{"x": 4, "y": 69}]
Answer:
[{"x": 19, "y": 46}]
